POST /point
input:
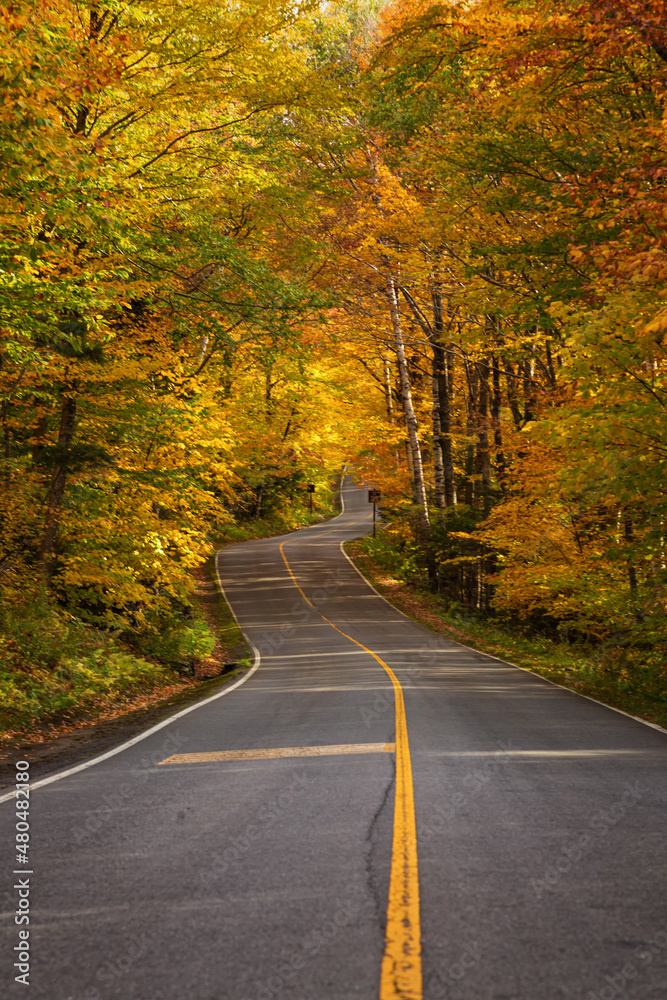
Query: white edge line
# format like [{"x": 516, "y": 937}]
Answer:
[
  {"x": 369, "y": 584},
  {"x": 328, "y": 520},
  {"x": 172, "y": 718},
  {"x": 160, "y": 725},
  {"x": 490, "y": 656}
]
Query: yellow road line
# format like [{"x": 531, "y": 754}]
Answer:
[
  {"x": 401, "y": 973},
  {"x": 264, "y": 754},
  {"x": 332, "y": 532}
]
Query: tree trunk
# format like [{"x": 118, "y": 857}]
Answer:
[
  {"x": 387, "y": 391},
  {"x": 443, "y": 364},
  {"x": 408, "y": 408},
  {"x": 528, "y": 369},
  {"x": 411, "y": 470},
  {"x": 497, "y": 432},
  {"x": 446, "y": 408},
  {"x": 54, "y": 500},
  {"x": 483, "y": 455},
  {"x": 511, "y": 394},
  {"x": 6, "y": 443},
  {"x": 438, "y": 468},
  {"x": 203, "y": 347},
  {"x": 439, "y": 397},
  {"x": 471, "y": 408}
]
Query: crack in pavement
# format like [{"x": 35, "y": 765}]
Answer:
[{"x": 377, "y": 896}]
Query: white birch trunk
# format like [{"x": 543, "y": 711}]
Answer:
[
  {"x": 387, "y": 391},
  {"x": 408, "y": 408}
]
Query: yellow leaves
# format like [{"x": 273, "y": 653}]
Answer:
[
  {"x": 139, "y": 246},
  {"x": 658, "y": 324}
]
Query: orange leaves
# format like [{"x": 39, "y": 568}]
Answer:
[
  {"x": 532, "y": 137},
  {"x": 144, "y": 264},
  {"x": 658, "y": 324}
]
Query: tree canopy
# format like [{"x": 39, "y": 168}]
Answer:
[{"x": 242, "y": 244}]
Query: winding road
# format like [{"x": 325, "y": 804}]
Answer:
[{"x": 372, "y": 812}]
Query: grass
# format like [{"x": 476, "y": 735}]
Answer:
[
  {"x": 231, "y": 643},
  {"x": 633, "y": 680}
]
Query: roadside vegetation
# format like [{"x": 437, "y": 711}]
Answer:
[
  {"x": 243, "y": 245},
  {"x": 57, "y": 670},
  {"x": 631, "y": 677}
]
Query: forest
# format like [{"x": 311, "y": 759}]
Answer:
[{"x": 245, "y": 244}]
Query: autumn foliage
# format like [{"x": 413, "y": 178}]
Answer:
[
  {"x": 244, "y": 244},
  {"x": 532, "y": 137},
  {"x": 163, "y": 370}
]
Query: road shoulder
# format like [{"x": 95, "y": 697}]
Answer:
[
  {"x": 51, "y": 748},
  {"x": 568, "y": 669}
]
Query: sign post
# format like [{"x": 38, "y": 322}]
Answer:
[
  {"x": 311, "y": 490},
  {"x": 374, "y": 497}
]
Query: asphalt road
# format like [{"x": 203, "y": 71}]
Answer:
[{"x": 540, "y": 823}]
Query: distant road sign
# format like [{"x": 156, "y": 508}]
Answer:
[
  {"x": 374, "y": 496},
  {"x": 311, "y": 487}
]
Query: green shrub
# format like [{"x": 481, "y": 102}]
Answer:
[
  {"x": 55, "y": 667},
  {"x": 76, "y": 686},
  {"x": 175, "y": 636}
]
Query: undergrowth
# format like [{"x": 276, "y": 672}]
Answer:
[
  {"x": 631, "y": 676},
  {"x": 277, "y": 523},
  {"x": 53, "y": 666},
  {"x": 56, "y": 667}
]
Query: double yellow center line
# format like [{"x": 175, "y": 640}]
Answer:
[{"x": 401, "y": 974}]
